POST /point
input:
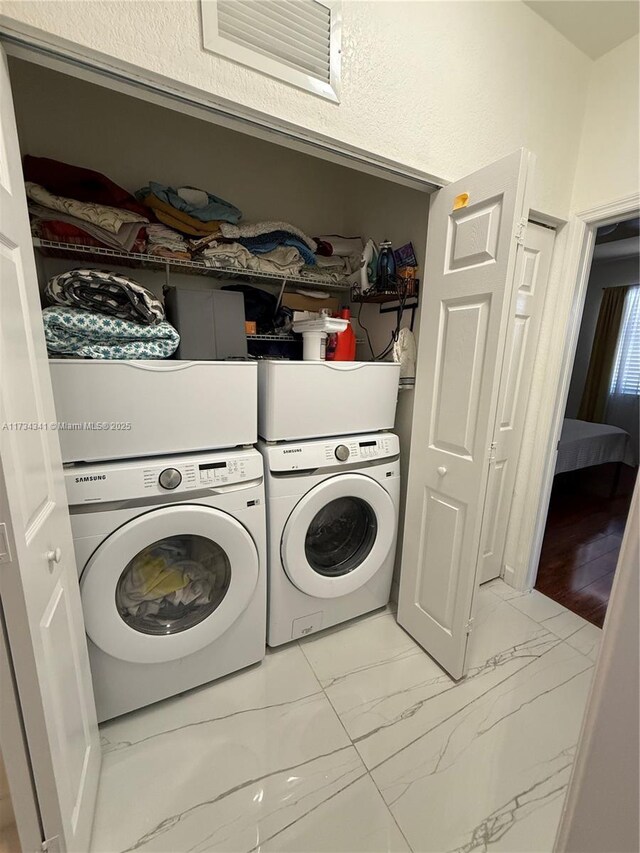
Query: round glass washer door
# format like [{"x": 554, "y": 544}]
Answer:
[
  {"x": 338, "y": 535},
  {"x": 168, "y": 583}
]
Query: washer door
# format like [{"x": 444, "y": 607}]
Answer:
[
  {"x": 168, "y": 583},
  {"x": 338, "y": 536}
]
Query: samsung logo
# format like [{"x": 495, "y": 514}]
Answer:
[
  {"x": 293, "y": 450},
  {"x": 91, "y": 479}
]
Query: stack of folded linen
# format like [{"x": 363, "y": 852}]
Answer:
[
  {"x": 260, "y": 238},
  {"x": 94, "y": 224},
  {"x": 267, "y": 247},
  {"x": 89, "y": 334},
  {"x": 188, "y": 210},
  {"x": 337, "y": 258},
  {"x": 166, "y": 242},
  {"x": 100, "y": 314},
  {"x": 69, "y": 204},
  {"x": 282, "y": 260}
]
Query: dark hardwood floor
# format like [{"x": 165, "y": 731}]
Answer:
[{"x": 582, "y": 539}]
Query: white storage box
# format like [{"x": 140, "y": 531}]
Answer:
[
  {"x": 311, "y": 399},
  {"x": 171, "y": 406}
]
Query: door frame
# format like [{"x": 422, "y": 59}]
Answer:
[
  {"x": 14, "y": 752},
  {"x": 560, "y": 328}
]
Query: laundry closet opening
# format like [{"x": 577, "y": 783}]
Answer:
[{"x": 133, "y": 142}]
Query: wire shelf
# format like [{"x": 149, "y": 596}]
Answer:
[
  {"x": 98, "y": 254},
  {"x": 272, "y": 337}
]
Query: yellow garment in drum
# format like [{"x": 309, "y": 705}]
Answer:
[{"x": 155, "y": 578}]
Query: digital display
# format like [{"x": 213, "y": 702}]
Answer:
[
  {"x": 367, "y": 443},
  {"x": 209, "y": 465}
]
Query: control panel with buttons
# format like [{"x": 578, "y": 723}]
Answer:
[
  {"x": 125, "y": 481},
  {"x": 349, "y": 450}
]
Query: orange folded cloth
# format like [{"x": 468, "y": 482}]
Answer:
[{"x": 179, "y": 220}]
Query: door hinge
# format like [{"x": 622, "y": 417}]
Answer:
[
  {"x": 492, "y": 451},
  {"x": 469, "y": 625},
  {"x": 51, "y": 845},
  {"x": 521, "y": 228}
]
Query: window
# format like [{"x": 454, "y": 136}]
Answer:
[{"x": 626, "y": 371}]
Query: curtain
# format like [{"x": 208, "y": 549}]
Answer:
[
  {"x": 603, "y": 354},
  {"x": 623, "y": 404}
]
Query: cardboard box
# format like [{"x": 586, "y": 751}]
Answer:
[{"x": 298, "y": 302}]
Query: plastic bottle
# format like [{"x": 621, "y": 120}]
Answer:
[
  {"x": 346, "y": 341},
  {"x": 386, "y": 268}
]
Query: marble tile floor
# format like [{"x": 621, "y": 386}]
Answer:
[{"x": 355, "y": 740}]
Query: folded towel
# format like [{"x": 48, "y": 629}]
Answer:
[
  {"x": 283, "y": 259},
  {"x": 62, "y": 228},
  {"x": 334, "y": 244},
  {"x": 88, "y": 334},
  {"x": 109, "y": 218},
  {"x": 107, "y": 292},
  {"x": 268, "y": 242},
  {"x": 198, "y": 204},
  {"x": 257, "y": 229},
  {"x": 179, "y": 220},
  {"x": 161, "y": 235}
]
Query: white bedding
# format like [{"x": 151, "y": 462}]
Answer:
[{"x": 583, "y": 444}]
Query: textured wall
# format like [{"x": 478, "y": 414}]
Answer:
[
  {"x": 444, "y": 86},
  {"x": 609, "y": 159}
]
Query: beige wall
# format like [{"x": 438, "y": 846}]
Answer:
[
  {"x": 609, "y": 158},
  {"x": 446, "y": 86},
  {"x": 601, "y": 810}
]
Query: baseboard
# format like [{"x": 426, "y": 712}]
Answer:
[{"x": 509, "y": 575}]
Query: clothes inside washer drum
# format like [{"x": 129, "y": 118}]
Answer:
[{"x": 173, "y": 584}]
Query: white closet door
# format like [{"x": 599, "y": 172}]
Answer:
[
  {"x": 38, "y": 579},
  {"x": 522, "y": 342},
  {"x": 474, "y": 246}
]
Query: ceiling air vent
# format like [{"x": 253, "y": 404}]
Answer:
[{"x": 297, "y": 41}]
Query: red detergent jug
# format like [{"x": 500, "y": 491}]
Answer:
[{"x": 346, "y": 344}]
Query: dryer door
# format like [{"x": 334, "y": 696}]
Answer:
[
  {"x": 338, "y": 535},
  {"x": 168, "y": 583}
]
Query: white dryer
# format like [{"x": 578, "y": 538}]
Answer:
[
  {"x": 172, "y": 560},
  {"x": 332, "y": 513}
]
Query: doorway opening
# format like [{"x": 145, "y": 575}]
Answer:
[{"x": 599, "y": 447}]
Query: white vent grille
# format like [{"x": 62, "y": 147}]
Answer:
[{"x": 297, "y": 41}]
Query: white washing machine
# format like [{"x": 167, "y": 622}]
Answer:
[
  {"x": 172, "y": 560},
  {"x": 332, "y": 515}
]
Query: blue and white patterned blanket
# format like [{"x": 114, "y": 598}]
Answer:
[{"x": 88, "y": 334}]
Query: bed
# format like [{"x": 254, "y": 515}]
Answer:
[{"x": 583, "y": 444}]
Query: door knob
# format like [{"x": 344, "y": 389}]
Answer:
[
  {"x": 54, "y": 556},
  {"x": 442, "y": 470}
]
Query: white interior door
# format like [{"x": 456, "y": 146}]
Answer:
[
  {"x": 522, "y": 343},
  {"x": 38, "y": 580},
  {"x": 474, "y": 245}
]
